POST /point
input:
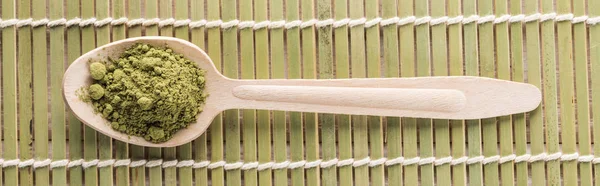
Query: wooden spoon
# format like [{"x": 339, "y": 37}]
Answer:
[{"x": 455, "y": 97}]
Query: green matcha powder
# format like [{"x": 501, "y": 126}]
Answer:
[{"x": 148, "y": 92}]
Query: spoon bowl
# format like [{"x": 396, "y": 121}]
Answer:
[{"x": 458, "y": 97}]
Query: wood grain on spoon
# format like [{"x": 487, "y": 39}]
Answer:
[{"x": 427, "y": 97}]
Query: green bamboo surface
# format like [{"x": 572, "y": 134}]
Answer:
[{"x": 560, "y": 57}]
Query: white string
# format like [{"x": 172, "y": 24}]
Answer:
[
  {"x": 372, "y": 22},
  {"x": 426, "y": 161},
  {"x": 202, "y": 164},
  {"x": 422, "y": 20},
  {"x": 406, "y": 20},
  {"x": 293, "y": 24},
  {"x": 185, "y": 163},
  {"x": 395, "y": 161},
  {"x": 312, "y": 164},
  {"x": 105, "y": 163},
  {"x": 442, "y": 161},
  {"x": 59, "y": 163},
  {"x": 439, "y": 20},
  {"x": 232, "y": 166},
  {"x": 180, "y": 23},
  {"x": 454, "y": 20},
  {"x": 154, "y": 163},
  {"x": 459, "y": 160},
  {"x": 361, "y": 162},
  {"x": 87, "y": 22},
  {"x": 491, "y": 159},
  {"x": 411, "y": 161},
  {"x": 329, "y": 163},
  {"x": 543, "y": 157},
  {"x": 507, "y": 159},
  {"x": 245, "y": 24},
  {"x": 471, "y": 19},
  {"x": 251, "y": 165},
  {"x": 138, "y": 163},
  {"x": 120, "y": 21},
  {"x": 579, "y": 19},
  {"x": 389, "y": 21},
  {"x": 75, "y": 163},
  {"x": 265, "y": 166},
  {"x": 277, "y": 24},
  {"x": 485, "y": 19},
  {"x": 88, "y": 164},
  {"x": 340, "y": 23},
  {"x": 298, "y": 164},
  {"x": 546, "y": 17},
  {"x": 216, "y": 164},
  {"x": 39, "y": 22},
  {"x": 171, "y": 163},
  {"x": 26, "y": 163},
  {"x": 281, "y": 165},
  {"x": 122, "y": 163},
  {"x": 517, "y": 18},
  {"x": 42, "y": 163},
  {"x": 299, "y": 23},
  {"x": 377, "y": 162},
  {"x": 502, "y": 19},
  {"x": 346, "y": 162},
  {"x": 227, "y": 25}
]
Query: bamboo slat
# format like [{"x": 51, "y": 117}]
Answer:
[
  {"x": 551, "y": 117},
  {"x": 439, "y": 60},
  {"x": 263, "y": 117},
  {"x": 169, "y": 153},
  {"x": 582, "y": 94},
  {"x": 594, "y": 39},
  {"x": 309, "y": 61},
  {"x": 407, "y": 65},
  {"x": 155, "y": 173},
  {"x": 423, "y": 66},
  {"x": 326, "y": 71},
  {"x": 278, "y": 71},
  {"x": 505, "y": 123},
  {"x": 216, "y": 127},
  {"x": 359, "y": 123},
  {"x": 475, "y": 176},
  {"x": 567, "y": 93},
  {"x": 40, "y": 93},
  {"x": 25, "y": 93},
  {"x": 342, "y": 70},
  {"x": 247, "y": 72},
  {"x": 519, "y": 122},
  {"x": 294, "y": 67},
  {"x": 231, "y": 117},
  {"x": 57, "y": 106},
  {"x": 534, "y": 77},
  {"x": 391, "y": 62},
  {"x": 90, "y": 146},
  {"x": 138, "y": 174},
  {"x": 105, "y": 150},
  {"x": 9, "y": 92},
  {"x": 456, "y": 68},
  {"x": 487, "y": 68},
  {"x": 121, "y": 149},
  {"x": 75, "y": 129},
  {"x": 200, "y": 150},
  {"x": 184, "y": 152}
]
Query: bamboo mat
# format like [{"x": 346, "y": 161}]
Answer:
[{"x": 44, "y": 144}]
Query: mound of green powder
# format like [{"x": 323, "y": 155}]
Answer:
[{"x": 148, "y": 92}]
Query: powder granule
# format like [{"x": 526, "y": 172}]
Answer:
[{"x": 148, "y": 92}]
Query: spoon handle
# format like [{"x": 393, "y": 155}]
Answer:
[{"x": 424, "y": 97}]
